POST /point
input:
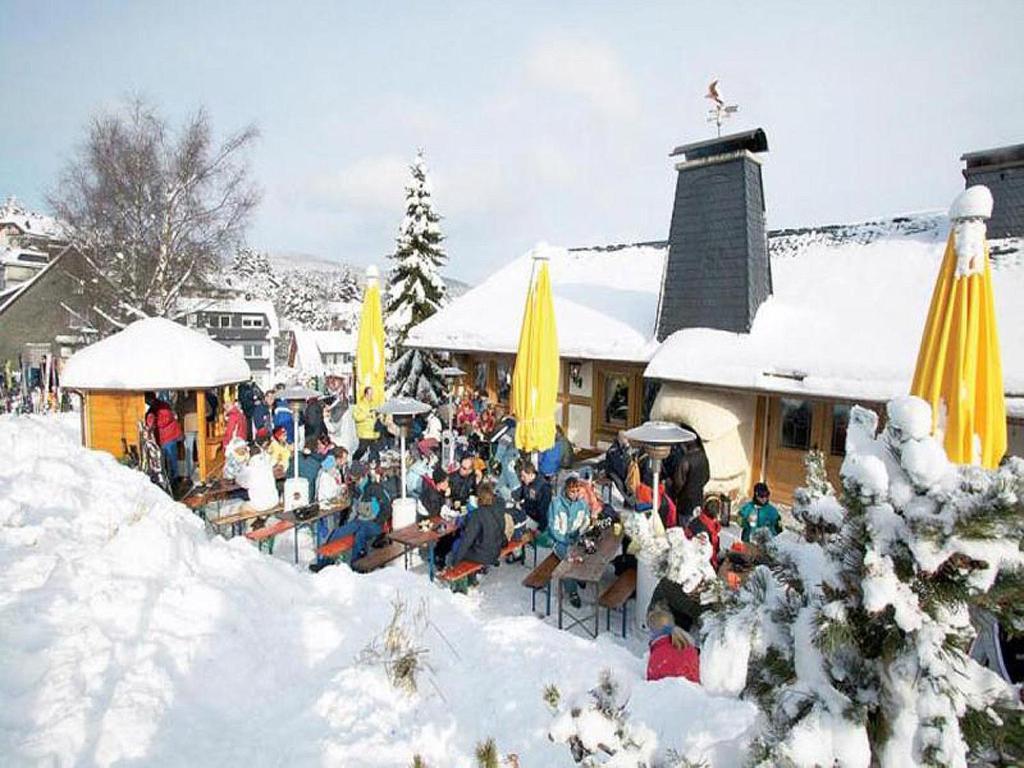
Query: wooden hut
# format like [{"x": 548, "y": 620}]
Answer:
[{"x": 152, "y": 355}]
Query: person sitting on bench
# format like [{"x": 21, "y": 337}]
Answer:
[
  {"x": 533, "y": 495},
  {"x": 434, "y": 493},
  {"x": 672, "y": 652},
  {"x": 463, "y": 481},
  {"x": 371, "y": 508},
  {"x": 483, "y": 534},
  {"x": 568, "y": 518}
]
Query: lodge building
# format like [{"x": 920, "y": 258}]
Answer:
[{"x": 758, "y": 340}]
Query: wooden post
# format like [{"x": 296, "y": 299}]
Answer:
[{"x": 201, "y": 434}]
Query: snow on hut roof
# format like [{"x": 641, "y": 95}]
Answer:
[
  {"x": 232, "y": 305},
  {"x": 846, "y": 315},
  {"x": 606, "y": 303},
  {"x": 154, "y": 353},
  {"x": 29, "y": 222}
]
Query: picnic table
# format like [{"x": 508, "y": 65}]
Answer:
[
  {"x": 297, "y": 518},
  {"x": 219, "y": 490},
  {"x": 414, "y": 537},
  {"x": 587, "y": 568}
]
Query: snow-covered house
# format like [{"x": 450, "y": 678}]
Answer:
[
  {"x": 247, "y": 326},
  {"x": 322, "y": 353},
  {"x": 28, "y": 242},
  {"x": 50, "y": 313},
  {"x": 760, "y": 341}
]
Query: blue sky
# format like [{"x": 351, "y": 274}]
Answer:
[{"x": 540, "y": 121}]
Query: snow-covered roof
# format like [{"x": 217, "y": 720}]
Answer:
[
  {"x": 310, "y": 346},
  {"x": 606, "y": 302},
  {"x": 29, "y": 222},
  {"x": 24, "y": 257},
  {"x": 155, "y": 353},
  {"x": 232, "y": 305},
  {"x": 845, "y": 319}
]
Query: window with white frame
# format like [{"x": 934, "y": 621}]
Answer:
[
  {"x": 218, "y": 321},
  {"x": 252, "y": 321},
  {"x": 252, "y": 350}
]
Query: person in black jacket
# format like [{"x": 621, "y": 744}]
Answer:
[
  {"x": 463, "y": 481},
  {"x": 434, "y": 491},
  {"x": 533, "y": 495},
  {"x": 616, "y": 462},
  {"x": 313, "y": 418},
  {"x": 483, "y": 534},
  {"x": 691, "y": 475}
]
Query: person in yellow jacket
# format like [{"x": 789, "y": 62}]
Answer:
[
  {"x": 365, "y": 417},
  {"x": 279, "y": 450}
]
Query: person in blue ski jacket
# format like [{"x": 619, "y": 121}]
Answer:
[
  {"x": 283, "y": 418},
  {"x": 568, "y": 518}
]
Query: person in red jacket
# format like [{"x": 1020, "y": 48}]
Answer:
[
  {"x": 672, "y": 651},
  {"x": 160, "y": 418},
  {"x": 235, "y": 423}
]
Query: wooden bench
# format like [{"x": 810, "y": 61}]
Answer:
[
  {"x": 378, "y": 557},
  {"x": 467, "y": 568},
  {"x": 268, "y": 532},
  {"x": 617, "y": 596},
  {"x": 540, "y": 578}
]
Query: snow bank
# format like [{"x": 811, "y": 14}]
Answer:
[{"x": 130, "y": 636}]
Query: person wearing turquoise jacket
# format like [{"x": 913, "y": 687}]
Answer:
[
  {"x": 759, "y": 513},
  {"x": 568, "y": 518}
]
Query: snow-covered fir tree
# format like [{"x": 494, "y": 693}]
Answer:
[
  {"x": 252, "y": 272},
  {"x": 854, "y": 640},
  {"x": 415, "y": 290},
  {"x": 301, "y": 301}
]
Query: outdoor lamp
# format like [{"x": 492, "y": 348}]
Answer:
[
  {"x": 451, "y": 373},
  {"x": 402, "y": 410},
  {"x": 657, "y": 438},
  {"x": 295, "y": 397}
]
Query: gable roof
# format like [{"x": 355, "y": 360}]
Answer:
[
  {"x": 606, "y": 303},
  {"x": 12, "y": 294},
  {"x": 846, "y": 315}
]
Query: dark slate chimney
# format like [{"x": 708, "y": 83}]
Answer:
[
  {"x": 1002, "y": 171},
  {"x": 718, "y": 272}
]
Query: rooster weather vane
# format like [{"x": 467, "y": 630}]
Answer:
[{"x": 721, "y": 111}]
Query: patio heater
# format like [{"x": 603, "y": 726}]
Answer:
[
  {"x": 296, "y": 489},
  {"x": 656, "y": 438},
  {"x": 402, "y": 410},
  {"x": 451, "y": 373}
]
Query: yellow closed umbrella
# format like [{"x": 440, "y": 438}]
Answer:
[
  {"x": 958, "y": 366},
  {"x": 535, "y": 379},
  {"x": 370, "y": 366}
]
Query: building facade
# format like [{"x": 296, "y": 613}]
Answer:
[{"x": 249, "y": 327}]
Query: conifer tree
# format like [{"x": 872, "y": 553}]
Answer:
[
  {"x": 252, "y": 272},
  {"x": 855, "y": 641},
  {"x": 415, "y": 290}
]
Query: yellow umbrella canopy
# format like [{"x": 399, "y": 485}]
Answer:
[
  {"x": 370, "y": 367},
  {"x": 535, "y": 379},
  {"x": 958, "y": 366}
]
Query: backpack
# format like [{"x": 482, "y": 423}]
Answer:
[{"x": 363, "y": 505}]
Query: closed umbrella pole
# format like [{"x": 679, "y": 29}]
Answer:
[{"x": 959, "y": 367}]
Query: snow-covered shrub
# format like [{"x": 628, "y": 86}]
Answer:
[
  {"x": 855, "y": 644},
  {"x": 597, "y": 729}
]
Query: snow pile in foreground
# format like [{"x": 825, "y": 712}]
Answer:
[{"x": 131, "y": 637}]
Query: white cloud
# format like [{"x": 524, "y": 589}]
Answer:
[{"x": 585, "y": 68}]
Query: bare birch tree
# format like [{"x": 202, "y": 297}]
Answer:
[{"x": 153, "y": 211}]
